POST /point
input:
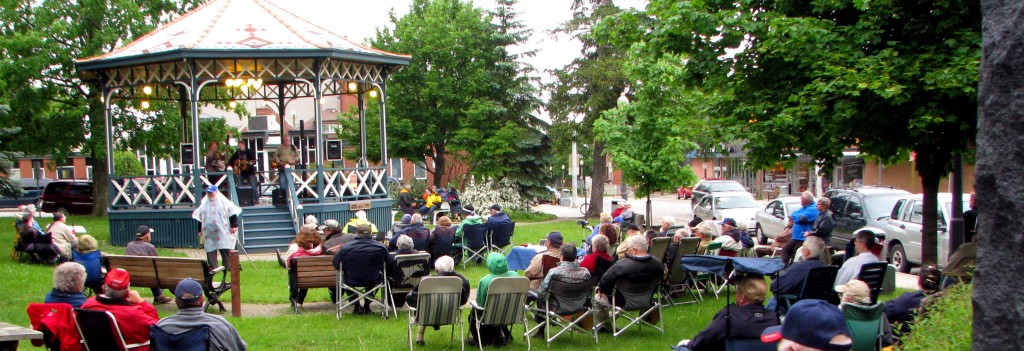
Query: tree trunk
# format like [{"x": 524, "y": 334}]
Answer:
[
  {"x": 98, "y": 153},
  {"x": 100, "y": 179},
  {"x": 999, "y": 185},
  {"x": 439, "y": 165},
  {"x": 927, "y": 168},
  {"x": 597, "y": 178}
]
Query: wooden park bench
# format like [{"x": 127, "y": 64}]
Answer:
[
  {"x": 166, "y": 272},
  {"x": 310, "y": 272}
]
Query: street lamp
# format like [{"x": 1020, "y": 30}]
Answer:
[{"x": 623, "y": 101}]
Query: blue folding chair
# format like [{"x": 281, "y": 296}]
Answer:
[
  {"x": 474, "y": 242},
  {"x": 196, "y": 339}
]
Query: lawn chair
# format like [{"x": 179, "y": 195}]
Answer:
[
  {"x": 499, "y": 238},
  {"x": 677, "y": 280},
  {"x": 438, "y": 304},
  {"x": 819, "y": 285},
  {"x": 567, "y": 306},
  {"x": 874, "y": 275},
  {"x": 100, "y": 332},
  {"x": 362, "y": 292},
  {"x": 505, "y": 306},
  {"x": 865, "y": 323},
  {"x": 474, "y": 243},
  {"x": 712, "y": 248},
  {"x": 57, "y": 323},
  {"x": 658, "y": 247},
  {"x": 638, "y": 303},
  {"x": 406, "y": 274},
  {"x": 195, "y": 339}
]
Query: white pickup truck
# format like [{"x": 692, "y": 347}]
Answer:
[{"x": 902, "y": 230}]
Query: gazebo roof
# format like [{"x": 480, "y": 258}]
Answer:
[{"x": 239, "y": 29}]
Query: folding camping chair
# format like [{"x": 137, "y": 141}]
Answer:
[
  {"x": 499, "y": 238},
  {"x": 819, "y": 284},
  {"x": 677, "y": 279},
  {"x": 865, "y": 323},
  {"x": 874, "y": 275},
  {"x": 658, "y": 247},
  {"x": 505, "y": 305},
  {"x": 474, "y": 243},
  {"x": 438, "y": 305},
  {"x": 406, "y": 274},
  {"x": 737, "y": 265},
  {"x": 195, "y": 339},
  {"x": 362, "y": 292},
  {"x": 639, "y": 302},
  {"x": 100, "y": 332},
  {"x": 565, "y": 305}
]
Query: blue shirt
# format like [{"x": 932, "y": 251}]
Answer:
[{"x": 803, "y": 219}]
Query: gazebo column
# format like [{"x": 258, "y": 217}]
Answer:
[
  {"x": 362, "y": 130},
  {"x": 197, "y": 183},
  {"x": 107, "y": 95},
  {"x": 384, "y": 132},
  {"x": 318, "y": 94}
]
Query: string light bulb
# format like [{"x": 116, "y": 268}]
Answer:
[
  {"x": 373, "y": 93},
  {"x": 232, "y": 103},
  {"x": 352, "y": 86},
  {"x": 145, "y": 104},
  {"x": 147, "y": 90}
]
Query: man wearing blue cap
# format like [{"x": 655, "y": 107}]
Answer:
[
  {"x": 811, "y": 325},
  {"x": 189, "y": 298}
]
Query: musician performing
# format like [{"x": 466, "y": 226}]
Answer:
[{"x": 244, "y": 163}]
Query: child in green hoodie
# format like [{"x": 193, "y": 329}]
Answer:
[{"x": 491, "y": 335}]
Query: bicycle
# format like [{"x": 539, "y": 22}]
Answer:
[{"x": 584, "y": 207}]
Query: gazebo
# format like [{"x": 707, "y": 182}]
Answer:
[{"x": 228, "y": 50}]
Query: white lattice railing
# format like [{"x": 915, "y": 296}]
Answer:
[
  {"x": 341, "y": 183},
  {"x": 162, "y": 190}
]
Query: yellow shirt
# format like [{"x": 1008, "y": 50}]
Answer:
[{"x": 433, "y": 199}]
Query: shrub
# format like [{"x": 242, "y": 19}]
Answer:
[
  {"x": 416, "y": 187},
  {"x": 946, "y": 325},
  {"x": 502, "y": 192}
]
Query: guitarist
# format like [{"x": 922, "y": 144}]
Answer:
[{"x": 244, "y": 163}]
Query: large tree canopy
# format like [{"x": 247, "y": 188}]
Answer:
[{"x": 812, "y": 78}]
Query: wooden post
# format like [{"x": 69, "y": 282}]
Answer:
[{"x": 236, "y": 283}]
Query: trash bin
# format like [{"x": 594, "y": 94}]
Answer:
[
  {"x": 566, "y": 199},
  {"x": 784, "y": 189}
]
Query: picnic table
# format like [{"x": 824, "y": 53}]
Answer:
[{"x": 10, "y": 334}]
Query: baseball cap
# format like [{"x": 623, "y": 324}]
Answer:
[
  {"x": 495, "y": 207},
  {"x": 188, "y": 289},
  {"x": 555, "y": 238},
  {"x": 117, "y": 279},
  {"x": 143, "y": 230},
  {"x": 812, "y": 323},
  {"x": 211, "y": 189},
  {"x": 331, "y": 224},
  {"x": 731, "y": 222},
  {"x": 857, "y": 290},
  {"x": 363, "y": 229}
]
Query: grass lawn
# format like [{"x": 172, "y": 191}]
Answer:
[{"x": 314, "y": 330}]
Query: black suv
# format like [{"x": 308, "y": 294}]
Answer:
[
  {"x": 861, "y": 207},
  {"x": 68, "y": 196}
]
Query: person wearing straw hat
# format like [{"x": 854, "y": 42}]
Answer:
[{"x": 218, "y": 224}]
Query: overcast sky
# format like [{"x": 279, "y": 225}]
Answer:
[{"x": 359, "y": 20}]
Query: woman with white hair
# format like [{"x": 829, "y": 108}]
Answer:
[
  {"x": 666, "y": 223},
  {"x": 395, "y": 273},
  {"x": 444, "y": 266},
  {"x": 68, "y": 283}
]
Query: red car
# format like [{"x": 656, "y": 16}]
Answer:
[{"x": 684, "y": 192}]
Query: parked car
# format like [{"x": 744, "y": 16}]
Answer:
[
  {"x": 774, "y": 217},
  {"x": 859, "y": 208},
  {"x": 705, "y": 187},
  {"x": 684, "y": 192},
  {"x": 29, "y": 196},
  {"x": 69, "y": 196},
  {"x": 902, "y": 230},
  {"x": 738, "y": 205}
]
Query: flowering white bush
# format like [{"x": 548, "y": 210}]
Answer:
[{"x": 502, "y": 192}]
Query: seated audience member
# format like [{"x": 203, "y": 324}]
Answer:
[
  {"x": 626, "y": 215},
  {"x": 433, "y": 202},
  {"x": 637, "y": 265},
  {"x": 598, "y": 261},
  {"x": 730, "y": 238},
  {"x": 606, "y": 220},
  {"x": 612, "y": 233},
  {"x": 497, "y": 217},
  {"x": 68, "y": 283},
  {"x": 777, "y": 244},
  {"x": 568, "y": 271},
  {"x": 363, "y": 259},
  {"x": 88, "y": 256},
  {"x": 334, "y": 238},
  {"x": 863, "y": 246},
  {"x": 397, "y": 227},
  {"x": 63, "y": 236},
  {"x": 189, "y": 298},
  {"x": 416, "y": 230},
  {"x": 674, "y": 245},
  {"x": 359, "y": 219},
  {"x": 471, "y": 218},
  {"x": 445, "y": 267},
  {"x": 618, "y": 209},
  {"x": 856, "y": 292},
  {"x": 405, "y": 247},
  {"x": 694, "y": 222},
  {"x": 666, "y": 223},
  {"x": 902, "y": 310},
  {"x": 134, "y": 315},
  {"x": 141, "y": 247},
  {"x": 791, "y": 279},
  {"x": 706, "y": 234},
  {"x": 650, "y": 234},
  {"x": 444, "y": 242},
  {"x": 631, "y": 230},
  {"x": 535, "y": 271},
  {"x": 748, "y": 318},
  {"x": 497, "y": 266},
  {"x": 306, "y": 243},
  {"x": 811, "y": 325},
  {"x": 32, "y": 239}
]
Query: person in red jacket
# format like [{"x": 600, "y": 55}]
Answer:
[{"x": 134, "y": 315}]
